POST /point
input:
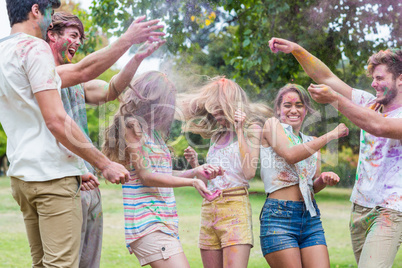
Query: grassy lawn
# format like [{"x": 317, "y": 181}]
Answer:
[{"x": 334, "y": 205}]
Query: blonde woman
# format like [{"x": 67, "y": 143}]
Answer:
[
  {"x": 291, "y": 232},
  {"x": 221, "y": 111},
  {"x": 136, "y": 138}
]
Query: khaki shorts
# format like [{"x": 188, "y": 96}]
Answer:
[
  {"x": 155, "y": 246},
  {"x": 226, "y": 221},
  {"x": 376, "y": 235}
]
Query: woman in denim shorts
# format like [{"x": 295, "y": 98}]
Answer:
[{"x": 291, "y": 231}]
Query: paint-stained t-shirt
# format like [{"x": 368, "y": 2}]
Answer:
[
  {"x": 27, "y": 67},
  {"x": 379, "y": 172},
  {"x": 74, "y": 103}
]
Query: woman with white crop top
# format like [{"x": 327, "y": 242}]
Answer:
[
  {"x": 291, "y": 232},
  {"x": 218, "y": 111}
]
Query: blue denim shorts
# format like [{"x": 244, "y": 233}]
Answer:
[{"x": 288, "y": 224}]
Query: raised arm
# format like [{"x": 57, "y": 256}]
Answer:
[
  {"x": 141, "y": 163},
  {"x": 249, "y": 146},
  {"x": 275, "y": 136},
  {"x": 67, "y": 132},
  {"x": 314, "y": 67},
  {"x": 98, "y": 91},
  {"x": 96, "y": 63},
  {"x": 364, "y": 118}
]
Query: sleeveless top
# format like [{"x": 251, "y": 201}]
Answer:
[
  {"x": 228, "y": 158},
  {"x": 276, "y": 173},
  {"x": 148, "y": 209}
]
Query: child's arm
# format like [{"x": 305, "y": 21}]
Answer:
[
  {"x": 140, "y": 160},
  {"x": 275, "y": 135},
  {"x": 205, "y": 172},
  {"x": 249, "y": 146}
]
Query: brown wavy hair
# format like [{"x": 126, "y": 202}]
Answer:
[
  {"x": 61, "y": 20},
  {"x": 392, "y": 58},
  {"x": 151, "y": 102}
]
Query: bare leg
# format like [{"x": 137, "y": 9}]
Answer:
[
  {"x": 315, "y": 257},
  {"x": 177, "y": 260},
  {"x": 289, "y": 258},
  {"x": 236, "y": 256},
  {"x": 212, "y": 258}
]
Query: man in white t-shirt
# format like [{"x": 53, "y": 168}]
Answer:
[
  {"x": 45, "y": 145},
  {"x": 65, "y": 37},
  {"x": 376, "y": 219}
]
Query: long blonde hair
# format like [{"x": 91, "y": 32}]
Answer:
[
  {"x": 151, "y": 102},
  {"x": 218, "y": 95}
]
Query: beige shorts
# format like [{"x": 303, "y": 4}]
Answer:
[
  {"x": 155, "y": 246},
  {"x": 226, "y": 221}
]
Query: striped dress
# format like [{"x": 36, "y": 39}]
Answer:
[{"x": 149, "y": 209}]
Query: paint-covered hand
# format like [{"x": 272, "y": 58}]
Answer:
[
  {"x": 239, "y": 118},
  {"x": 201, "y": 187},
  {"x": 191, "y": 156},
  {"x": 340, "y": 131},
  {"x": 213, "y": 196},
  {"x": 278, "y": 44},
  {"x": 147, "y": 49},
  {"x": 116, "y": 173},
  {"x": 208, "y": 172},
  {"x": 322, "y": 93},
  {"x": 89, "y": 182},
  {"x": 329, "y": 178},
  {"x": 141, "y": 31}
]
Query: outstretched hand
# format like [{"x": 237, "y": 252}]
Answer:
[
  {"x": 147, "y": 49},
  {"x": 141, "y": 31},
  {"x": 322, "y": 93},
  {"x": 201, "y": 188},
  {"x": 279, "y": 44},
  {"x": 208, "y": 172},
  {"x": 330, "y": 178}
]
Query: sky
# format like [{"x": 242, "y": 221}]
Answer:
[{"x": 147, "y": 64}]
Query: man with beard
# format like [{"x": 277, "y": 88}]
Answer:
[
  {"x": 44, "y": 144},
  {"x": 65, "y": 37},
  {"x": 376, "y": 217}
]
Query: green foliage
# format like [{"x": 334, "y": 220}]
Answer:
[
  {"x": 210, "y": 37},
  {"x": 3, "y": 141}
]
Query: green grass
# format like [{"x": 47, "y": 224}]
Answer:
[{"x": 333, "y": 202}]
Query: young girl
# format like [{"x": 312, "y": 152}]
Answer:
[
  {"x": 291, "y": 229},
  {"x": 136, "y": 138},
  {"x": 218, "y": 111}
]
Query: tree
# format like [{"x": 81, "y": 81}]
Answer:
[{"x": 210, "y": 37}]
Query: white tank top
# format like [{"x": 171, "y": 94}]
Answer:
[{"x": 229, "y": 159}]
